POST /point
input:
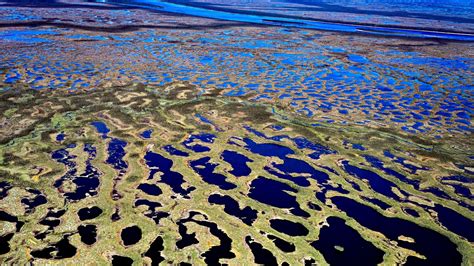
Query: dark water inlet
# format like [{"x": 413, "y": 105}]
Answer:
[
  {"x": 116, "y": 151},
  {"x": 35, "y": 201},
  {"x": 186, "y": 239},
  {"x": 455, "y": 222},
  {"x": 295, "y": 166},
  {"x": 238, "y": 162},
  {"x": 205, "y": 169},
  {"x": 4, "y": 188},
  {"x": 51, "y": 220},
  {"x": 173, "y": 151},
  {"x": 4, "y": 244},
  {"x": 276, "y": 194},
  {"x": 282, "y": 244},
  {"x": 215, "y": 253},
  {"x": 59, "y": 250},
  {"x": 262, "y": 256},
  {"x": 437, "y": 248},
  {"x": 377, "y": 183},
  {"x": 154, "y": 252},
  {"x": 378, "y": 202},
  {"x": 289, "y": 227},
  {"x": 190, "y": 144},
  {"x": 353, "y": 248},
  {"x": 159, "y": 163},
  {"x": 101, "y": 128},
  {"x": 152, "y": 212},
  {"x": 12, "y": 219},
  {"x": 231, "y": 206},
  {"x": 86, "y": 183}
]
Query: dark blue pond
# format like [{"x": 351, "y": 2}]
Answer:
[
  {"x": 262, "y": 135},
  {"x": 282, "y": 244},
  {"x": 437, "y": 248},
  {"x": 86, "y": 183},
  {"x": 207, "y": 121},
  {"x": 190, "y": 144},
  {"x": 277, "y": 127},
  {"x": 262, "y": 256},
  {"x": 121, "y": 261},
  {"x": 455, "y": 222},
  {"x": 206, "y": 170},
  {"x": 377, "y": 163},
  {"x": 146, "y": 134},
  {"x": 295, "y": 166},
  {"x": 154, "y": 252},
  {"x": 437, "y": 192},
  {"x": 300, "y": 142},
  {"x": 459, "y": 178},
  {"x": 4, "y": 243},
  {"x": 462, "y": 190},
  {"x": 12, "y": 219},
  {"x": 275, "y": 193},
  {"x": 379, "y": 203},
  {"x": 101, "y": 128},
  {"x": 150, "y": 189},
  {"x": 355, "y": 248},
  {"x": 60, "y": 137},
  {"x": 298, "y": 180},
  {"x": 402, "y": 161},
  {"x": 411, "y": 212},
  {"x": 51, "y": 221},
  {"x": 267, "y": 149},
  {"x": 321, "y": 195},
  {"x": 187, "y": 239},
  {"x": 377, "y": 183},
  {"x": 289, "y": 227},
  {"x": 238, "y": 162},
  {"x": 88, "y": 233},
  {"x": 231, "y": 206},
  {"x": 4, "y": 188},
  {"x": 131, "y": 235},
  {"x": 457, "y": 182},
  {"x": 442, "y": 194},
  {"x": 88, "y": 213},
  {"x": 318, "y": 149},
  {"x": 215, "y": 253},
  {"x": 116, "y": 151},
  {"x": 313, "y": 206},
  {"x": 173, "y": 151},
  {"x": 158, "y": 163},
  {"x": 358, "y": 147},
  {"x": 152, "y": 205},
  {"x": 36, "y": 200},
  {"x": 59, "y": 250},
  {"x": 152, "y": 212},
  {"x": 116, "y": 215}
]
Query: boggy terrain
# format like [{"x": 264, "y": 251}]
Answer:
[{"x": 144, "y": 174}]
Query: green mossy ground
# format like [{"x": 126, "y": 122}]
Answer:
[{"x": 34, "y": 118}]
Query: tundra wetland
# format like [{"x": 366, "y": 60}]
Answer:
[{"x": 151, "y": 133}]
